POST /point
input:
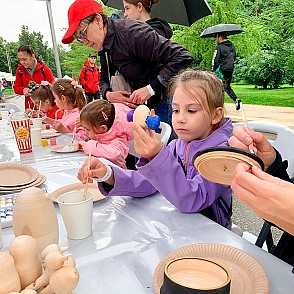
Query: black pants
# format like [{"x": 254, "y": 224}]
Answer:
[
  {"x": 92, "y": 96},
  {"x": 227, "y": 79}
]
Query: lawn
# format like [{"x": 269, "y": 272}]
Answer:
[{"x": 283, "y": 96}]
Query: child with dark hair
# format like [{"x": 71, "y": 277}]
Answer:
[
  {"x": 109, "y": 132},
  {"x": 68, "y": 96},
  {"x": 30, "y": 69},
  {"x": 43, "y": 99}
]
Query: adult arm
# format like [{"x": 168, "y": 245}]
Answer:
[
  {"x": 18, "y": 84},
  {"x": 81, "y": 77},
  {"x": 48, "y": 75},
  {"x": 271, "y": 198}
]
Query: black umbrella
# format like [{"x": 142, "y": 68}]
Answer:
[
  {"x": 229, "y": 29},
  {"x": 183, "y": 12}
]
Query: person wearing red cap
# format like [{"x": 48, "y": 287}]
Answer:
[{"x": 144, "y": 58}]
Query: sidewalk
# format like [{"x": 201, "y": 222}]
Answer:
[{"x": 282, "y": 115}]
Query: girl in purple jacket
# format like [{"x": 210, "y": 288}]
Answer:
[{"x": 198, "y": 120}]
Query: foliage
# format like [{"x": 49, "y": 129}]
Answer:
[{"x": 258, "y": 96}]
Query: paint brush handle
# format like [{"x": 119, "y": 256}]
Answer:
[
  {"x": 87, "y": 180},
  {"x": 251, "y": 147}
]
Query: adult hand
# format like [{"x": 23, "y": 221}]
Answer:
[
  {"x": 271, "y": 198},
  {"x": 118, "y": 97},
  {"x": 26, "y": 92},
  {"x": 59, "y": 127},
  {"x": 146, "y": 145},
  {"x": 97, "y": 170},
  {"x": 243, "y": 137},
  {"x": 140, "y": 96}
]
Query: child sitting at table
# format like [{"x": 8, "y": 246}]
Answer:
[
  {"x": 198, "y": 120},
  {"x": 68, "y": 96},
  {"x": 107, "y": 127},
  {"x": 44, "y": 101}
]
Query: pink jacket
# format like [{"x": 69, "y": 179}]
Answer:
[
  {"x": 113, "y": 145},
  {"x": 69, "y": 119}
]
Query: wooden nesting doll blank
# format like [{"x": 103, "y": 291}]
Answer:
[
  {"x": 218, "y": 164},
  {"x": 9, "y": 278},
  {"x": 34, "y": 215},
  {"x": 24, "y": 251},
  {"x": 140, "y": 115}
]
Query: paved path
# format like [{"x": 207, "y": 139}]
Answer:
[{"x": 282, "y": 115}]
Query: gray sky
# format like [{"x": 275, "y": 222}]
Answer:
[{"x": 33, "y": 13}]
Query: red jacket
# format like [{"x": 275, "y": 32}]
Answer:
[
  {"x": 22, "y": 78},
  {"x": 55, "y": 113},
  {"x": 89, "y": 78}
]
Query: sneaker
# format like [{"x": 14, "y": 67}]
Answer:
[{"x": 238, "y": 103}]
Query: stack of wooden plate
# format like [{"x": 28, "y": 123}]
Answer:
[{"x": 14, "y": 177}]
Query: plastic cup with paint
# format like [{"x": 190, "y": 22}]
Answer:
[
  {"x": 37, "y": 122},
  {"x": 36, "y": 136}
]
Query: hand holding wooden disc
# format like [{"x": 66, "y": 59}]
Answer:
[{"x": 218, "y": 164}]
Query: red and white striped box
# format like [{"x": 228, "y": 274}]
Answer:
[{"x": 22, "y": 133}]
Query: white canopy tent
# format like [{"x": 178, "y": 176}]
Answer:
[{"x": 7, "y": 76}]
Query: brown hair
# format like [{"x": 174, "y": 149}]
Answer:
[
  {"x": 146, "y": 3},
  {"x": 210, "y": 83},
  {"x": 74, "y": 94},
  {"x": 97, "y": 113},
  {"x": 28, "y": 50},
  {"x": 43, "y": 93}
]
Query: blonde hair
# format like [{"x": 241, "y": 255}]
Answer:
[
  {"x": 74, "y": 94},
  {"x": 208, "y": 82},
  {"x": 97, "y": 113}
]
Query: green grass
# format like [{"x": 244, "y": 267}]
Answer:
[{"x": 283, "y": 96}]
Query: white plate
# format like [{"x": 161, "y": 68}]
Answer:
[
  {"x": 69, "y": 148},
  {"x": 45, "y": 134}
]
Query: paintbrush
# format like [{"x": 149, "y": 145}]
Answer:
[{"x": 251, "y": 147}]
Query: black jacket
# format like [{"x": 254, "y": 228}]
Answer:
[
  {"x": 224, "y": 56},
  {"x": 142, "y": 56},
  {"x": 161, "y": 27}
]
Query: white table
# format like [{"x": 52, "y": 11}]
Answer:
[{"x": 131, "y": 236}]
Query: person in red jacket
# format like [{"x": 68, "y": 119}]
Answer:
[
  {"x": 89, "y": 78},
  {"x": 30, "y": 69}
]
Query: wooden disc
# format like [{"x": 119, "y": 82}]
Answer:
[
  {"x": 218, "y": 164},
  {"x": 140, "y": 115}
]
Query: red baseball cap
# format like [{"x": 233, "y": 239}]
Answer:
[{"x": 79, "y": 10}]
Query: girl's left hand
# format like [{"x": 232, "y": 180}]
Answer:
[
  {"x": 140, "y": 96},
  {"x": 81, "y": 144},
  {"x": 59, "y": 127},
  {"x": 147, "y": 145},
  {"x": 78, "y": 123}
]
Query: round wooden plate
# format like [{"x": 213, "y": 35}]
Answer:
[
  {"x": 218, "y": 164},
  {"x": 15, "y": 174},
  {"x": 247, "y": 275}
]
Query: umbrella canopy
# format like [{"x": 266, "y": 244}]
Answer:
[
  {"x": 229, "y": 29},
  {"x": 183, "y": 12}
]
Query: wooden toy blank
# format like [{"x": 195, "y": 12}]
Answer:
[
  {"x": 218, "y": 164},
  {"x": 140, "y": 115}
]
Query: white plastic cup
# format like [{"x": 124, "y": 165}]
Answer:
[
  {"x": 36, "y": 136},
  {"x": 77, "y": 213},
  {"x": 4, "y": 114},
  {"x": 37, "y": 122}
]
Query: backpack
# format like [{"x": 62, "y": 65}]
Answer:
[{"x": 85, "y": 73}]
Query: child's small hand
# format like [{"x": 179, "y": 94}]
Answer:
[
  {"x": 81, "y": 144},
  {"x": 28, "y": 111},
  {"x": 97, "y": 170},
  {"x": 78, "y": 123},
  {"x": 146, "y": 145},
  {"x": 59, "y": 127}
]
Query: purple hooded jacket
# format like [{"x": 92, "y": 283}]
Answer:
[{"x": 186, "y": 190}]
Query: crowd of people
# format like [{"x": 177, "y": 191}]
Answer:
[{"x": 138, "y": 48}]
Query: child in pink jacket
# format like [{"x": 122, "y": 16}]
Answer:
[
  {"x": 68, "y": 96},
  {"x": 106, "y": 125}
]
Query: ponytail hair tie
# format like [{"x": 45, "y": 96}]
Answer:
[
  {"x": 45, "y": 83},
  {"x": 75, "y": 84}
]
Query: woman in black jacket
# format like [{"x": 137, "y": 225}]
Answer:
[{"x": 144, "y": 58}]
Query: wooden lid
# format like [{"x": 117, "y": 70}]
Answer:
[{"x": 218, "y": 164}]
